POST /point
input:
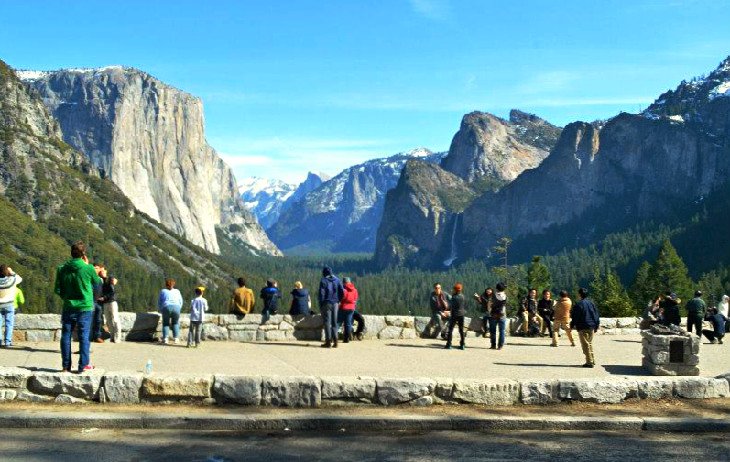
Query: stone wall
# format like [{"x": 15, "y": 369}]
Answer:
[
  {"x": 308, "y": 391},
  {"x": 147, "y": 327}
]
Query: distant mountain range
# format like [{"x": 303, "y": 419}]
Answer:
[{"x": 603, "y": 177}]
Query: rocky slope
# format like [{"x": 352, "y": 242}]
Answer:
[
  {"x": 606, "y": 177},
  {"x": 267, "y": 198},
  {"x": 343, "y": 214},
  {"x": 485, "y": 154},
  {"x": 51, "y": 195},
  {"x": 148, "y": 137},
  {"x": 493, "y": 150},
  {"x": 421, "y": 217}
]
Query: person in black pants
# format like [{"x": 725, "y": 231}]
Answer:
[
  {"x": 458, "y": 311},
  {"x": 360, "y": 330},
  {"x": 718, "y": 322},
  {"x": 97, "y": 321},
  {"x": 546, "y": 310},
  {"x": 696, "y": 309}
]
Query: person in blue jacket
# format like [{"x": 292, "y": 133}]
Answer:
[
  {"x": 585, "y": 319},
  {"x": 331, "y": 292}
]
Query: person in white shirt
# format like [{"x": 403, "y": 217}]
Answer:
[{"x": 198, "y": 307}]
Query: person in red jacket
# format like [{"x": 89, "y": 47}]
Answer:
[{"x": 347, "y": 308}]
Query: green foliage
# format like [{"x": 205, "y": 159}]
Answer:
[
  {"x": 612, "y": 299},
  {"x": 538, "y": 275},
  {"x": 641, "y": 291},
  {"x": 669, "y": 273}
]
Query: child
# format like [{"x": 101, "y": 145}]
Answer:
[{"x": 198, "y": 307}]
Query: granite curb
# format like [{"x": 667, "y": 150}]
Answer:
[{"x": 365, "y": 423}]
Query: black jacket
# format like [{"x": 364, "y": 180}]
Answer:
[
  {"x": 718, "y": 322},
  {"x": 458, "y": 305},
  {"x": 584, "y": 316},
  {"x": 271, "y": 297},
  {"x": 545, "y": 309},
  {"x": 671, "y": 312},
  {"x": 434, "y": 302},
  {"x": 299, "y": 302},
  {"x": 108, "y": 291}
]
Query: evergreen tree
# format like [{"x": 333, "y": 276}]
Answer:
[
  {"x": 641, "y": 292},
  {"x": 538, "y": 275},
  {"x": 615, "y": 301},
  {"x": 669, "y": 273}
]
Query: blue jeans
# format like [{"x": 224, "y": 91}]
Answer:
[
  {"x": 346, "y": 317},
  {"x": 8, "y": 314},
  {"x": 329, "y": 317},
  {"x": 493, "y": 323},
  {"x": 265, "y": 315},
  {"x": 70, "y": 320},
  {"x": 97, "y": 322},
  {"x": 171, "y": 315}
]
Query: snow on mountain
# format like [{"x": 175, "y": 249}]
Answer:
[{"x": 267, "y": 198}]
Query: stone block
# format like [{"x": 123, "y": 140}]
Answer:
[
  {"x": 659, "y": 388},
  {"x": 68, "y": 399},
  {"x": 631, "y": 331},
  {"x": 598, "y": 390},
  {"x": 214, "y": 332},
  {"x": 399, "y": 321},
  {"x": 497, "y": 392},
  {"x": 310, "y": 322},
  {"x": 670, "y": 369},
  {"x": 13, "y": 377},
  {"x": 623, "y": 323},
  {"x": 349, "y": 388},
  {"x": 475, "y": 325},
  {"x": 275, "y": 319},
  {"x": 701, "y": 387},
  {"x": 291, "y": 391},
  {"x": 422, "y": 401},
  {"x": 140, "y": 321},
  {"x": 40, "y": 335},
  {"x": 420, "y": 323},
  {"x": 373, "y": 325},
  {"x": 540, "y": 391},
  {"x": 408, "y": 333},
  {"x": 275, "y": 336},
  {"x": 285, "y": 326},
  {"x": 176, "y": 386},
  {"x": 85, "y": 386},
  {"x": 8, "y": 394},
  {"x": 123, "y": 387},
  {"x": 444, "y": 388},
  {"x": 242, "y": 335},
  {"x": 19, "y": 336},
  {"x": 390, "y": 333},
  {"x": 398, "y": 391},
  {"x": 237, "y": 389},
  {"x": 37, "y": 321},
  {"x": 260, "y": 335},
  {"x": 660, "y": 357},
  {"x": 25, "y": 395},
  {"x": 253, "y": 327},
  {"x": 608, "y": 323}
]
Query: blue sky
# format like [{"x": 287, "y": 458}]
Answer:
[{"x": 292, "y": 86}]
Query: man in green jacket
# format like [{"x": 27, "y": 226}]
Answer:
[
  {"x": 696, "y": 313},
  {"x": 75, "y": 281}
]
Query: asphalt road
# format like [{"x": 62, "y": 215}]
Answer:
[{"x": 168, "y": 445}]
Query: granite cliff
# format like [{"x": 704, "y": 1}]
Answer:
[{"x": 148, "y": 138}]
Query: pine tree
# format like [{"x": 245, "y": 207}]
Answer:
[
  {"x": 669, "y": 273},
  {"x": 615, "y": 300},
  {"x": 538, "y": 275},
  {"x": 640, "y": 291}
]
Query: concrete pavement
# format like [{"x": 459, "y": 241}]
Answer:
[{"x": 522, "y": 358}]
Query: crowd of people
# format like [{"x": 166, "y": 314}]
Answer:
[
  {"x": 665, "y": 310},
  {"x": 534, "y": 317},
  {"x": 89, "y": 297}
]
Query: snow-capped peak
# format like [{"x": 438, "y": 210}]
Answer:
[{"x": 32, "y": 75}]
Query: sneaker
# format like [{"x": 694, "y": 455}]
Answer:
[
  {"x": 176, "y": 341},
  {"x": 326, "y": 345},
  {"x": 66, "y": 371},
  {"x": 87, "y": 368},
  {"x": 462, "y": 347},
  {"x": 493, "y": 347},
  {"x": 588, "y": 365},
  {"x": 485, "y": 335},
  {"x": 499, "y": 348},
  {"x": 447, "y": 347},
  {"x": 346, "y": 341},
  {"x": 553, "y": 345},
  {"x": 334, "y": 344},
  {"x": 163, "y": 341},
  {"x": 713, "y": 341}
]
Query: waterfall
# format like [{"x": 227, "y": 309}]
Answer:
[{"x": 452, "y": 255}]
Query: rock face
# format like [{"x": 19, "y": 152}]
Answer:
[
  {"x": 488, "y": 147},
  {"x": 343, "y": 214},
  {"x": 422, "y": 222},
  {"x": 266, "y": 199},
  {"x": 421, "y": 217},
  {"x": 148, "y": 137},
  {"x": 600, "y": 178}
]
